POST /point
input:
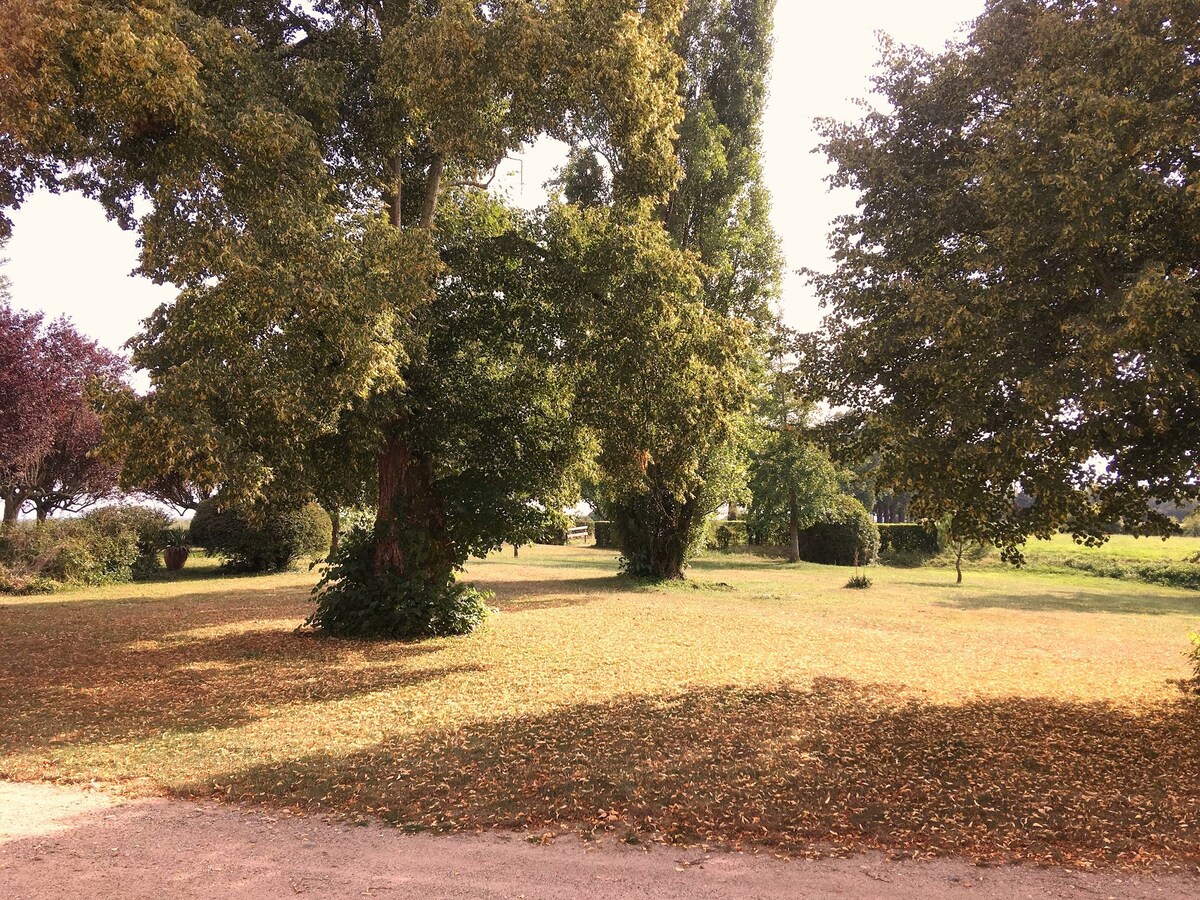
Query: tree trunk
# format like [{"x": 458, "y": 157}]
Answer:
[
  {"x": 410, "y": 525},
  {"x": 958, "y": 555},
  {"x": 11, "y": 508},
  {"x": 654, "y": 531},
  {"x": 335, "y": 531},
  {"x": 793, "y": 528}
]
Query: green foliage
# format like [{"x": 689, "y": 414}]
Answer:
[
  {"x": 261, "y": 539},
  {"x": 675, "y": 378},
  {"x": 351, "y": 305},
  {"x": 1185, "y": 575},
  {"x": 177, "y": 537},
  {"x": 1016, "y": 296},
  {"x": 552, "y": 528},
  {"x": 723, "y": 534},
  {"x": 1191, "y": 524},
  {"x": 843, "y": 535},
  {"x": 354, "y": 600},
  {"x": 606, "y": 536},
  {"x": 1193, "y": 657},
  {"x": 908, "y": 537},
  {"x": 665, "y": 384},
  {"x": 111, "y": 544},
  {"x": 859, "y": 583},
  {"x": 792, "y": 481}
]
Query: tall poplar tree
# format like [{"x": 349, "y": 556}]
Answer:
[
  {"x": 306, "y": 173},
  {"x": 690, "y": 457}
]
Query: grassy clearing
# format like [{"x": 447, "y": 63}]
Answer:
[{"x": 1022, "y": 715}]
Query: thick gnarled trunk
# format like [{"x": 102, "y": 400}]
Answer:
[
  {"x": 655, "y": 531},
  {"x": 410, "y": 524}
]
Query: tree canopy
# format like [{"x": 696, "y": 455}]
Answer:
[
  {"x": 310, "y": 174},
  {"x": 50, "y": 431},
  {"x": 678, "y": 396},
  {"x": 1014, "y": 305}
]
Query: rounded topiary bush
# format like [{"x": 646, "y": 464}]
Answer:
[
  {"x": 354, "y": 601},
  {"x": 845, "y": 534},
  {"x": 262, "y": 539}
]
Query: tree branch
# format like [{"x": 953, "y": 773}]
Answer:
[
  {"x": 433, "y": 187},
  {"x": 479, "y": 185}
]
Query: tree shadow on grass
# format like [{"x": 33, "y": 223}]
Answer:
[
  {"x": 518, "y": 596},
  {"x": 96, "y": 673},
  {"x": 1146, "y": 602},
  {"x": 835, "y": 768}
]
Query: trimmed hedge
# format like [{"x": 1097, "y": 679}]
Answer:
[
  {"x": 846, "y": 529},
  {"x": 908, "y": 537},
  {"x": 262, "y": 540}
]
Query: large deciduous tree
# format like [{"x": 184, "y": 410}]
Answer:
[
  {"x": 679, "y": 393},
  {"x": 305, "y": 170},
  {"x": 1014, "y": 306}
]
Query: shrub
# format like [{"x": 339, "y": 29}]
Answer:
[
  {"x": 908, "y": 537},
  {"x": 1170, "y": 574},
  {"x": 112, "y": 544},
  {"x": 1193, "y": 658},
  {"x": 262, "y": 539},
  {"x": 846, "y": 533},
  {"x": 606, "y": 535},
  {"x": 723, "y": 534},
  {"x": 148, "y": 526},
  {"x": 859, "y": 582},
  {"x": 553, "y": 527},
  {"x": 354, "y": 601}
]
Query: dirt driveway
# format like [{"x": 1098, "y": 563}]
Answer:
[{"x": 68, "y": 842}]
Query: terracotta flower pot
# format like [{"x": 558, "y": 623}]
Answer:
[{"x": 175, "y": 557}]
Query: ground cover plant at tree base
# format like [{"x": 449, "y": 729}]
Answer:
[
  {"x": 1023, "y": 715},
  {"x": 1014, "y": 303}
]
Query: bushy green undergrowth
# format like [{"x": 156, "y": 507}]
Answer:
[
  {"x": 355, "y": 601},
  {"x": 1149, "y": 561},
  {"x": 109, "y": 545}
]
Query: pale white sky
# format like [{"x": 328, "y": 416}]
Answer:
[{"x": 65, "y": 257}]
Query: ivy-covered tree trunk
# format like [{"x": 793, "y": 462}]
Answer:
[{"x": 655, "y": 533}]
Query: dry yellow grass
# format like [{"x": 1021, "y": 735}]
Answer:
[{"x": 1019, "y": 715}]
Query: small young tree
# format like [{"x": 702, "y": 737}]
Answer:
[{"x": 792, "y": 479}]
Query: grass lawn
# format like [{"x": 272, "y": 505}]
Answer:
[{"x": 1024, "y": 714}]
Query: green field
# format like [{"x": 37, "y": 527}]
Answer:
[
  {"x": 1022, "y": 715},
  {"x": 1118, "y": 547}
]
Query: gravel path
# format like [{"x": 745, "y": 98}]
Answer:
[{"x": 68, "y": 842}]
